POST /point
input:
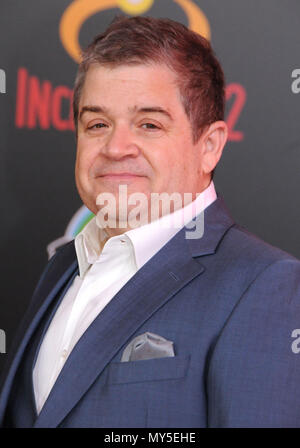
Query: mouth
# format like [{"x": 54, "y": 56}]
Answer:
[{"x": 120, "y": 176}]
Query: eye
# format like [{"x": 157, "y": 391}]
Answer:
[
  {"x": 150, "y": 126},
  {"x": 97, "y": 126}
]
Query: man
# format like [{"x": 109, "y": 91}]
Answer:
[{"x": 150, "y": 325}]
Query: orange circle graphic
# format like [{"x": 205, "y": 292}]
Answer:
[{"x": 80, "y": 10}]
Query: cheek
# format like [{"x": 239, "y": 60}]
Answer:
[
  {"x": 84, "y": 160},
  {"x": 166, "y": 168},
  {"x": 161, "y": 159},
  {"x": 80, "y": 165}
]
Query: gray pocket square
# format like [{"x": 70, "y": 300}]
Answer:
[{"x": 147, "y": 346}]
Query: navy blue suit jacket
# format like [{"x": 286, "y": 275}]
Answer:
[{"x": 228, "y": 301}]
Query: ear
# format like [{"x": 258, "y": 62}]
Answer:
[{"x": 213, "y": 141}]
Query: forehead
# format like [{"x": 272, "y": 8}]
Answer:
[{"x": 129, "y": 84}]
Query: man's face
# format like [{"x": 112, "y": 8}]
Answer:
[{"x": 133, "y": 131}]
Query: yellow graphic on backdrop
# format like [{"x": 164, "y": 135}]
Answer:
[
  {"x": 134, "y": 7},
  {"x": 80, "y": 10}
]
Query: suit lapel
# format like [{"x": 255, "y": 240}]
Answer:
[
  {"x": 217, "y": 221},
  {"x": 153, "y": 285},
  {"x": 58, "y": 272}
]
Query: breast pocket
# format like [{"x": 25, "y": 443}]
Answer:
[{"x": 157, "y": 369}]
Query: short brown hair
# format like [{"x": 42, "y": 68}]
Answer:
[{"x": 138, "y": 40}]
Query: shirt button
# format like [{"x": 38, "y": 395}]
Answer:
[{"x": 64, "y": 354}]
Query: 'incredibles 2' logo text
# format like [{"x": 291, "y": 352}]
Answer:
[{"x": 40, "y": 104}]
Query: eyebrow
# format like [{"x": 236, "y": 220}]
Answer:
[
  {"x": 149, "y": 109},
  {"x": 95, "y": 109},
  {"x": 154, "y": 109}
]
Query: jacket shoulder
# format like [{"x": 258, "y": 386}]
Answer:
[{"x": 252, "y": 248}]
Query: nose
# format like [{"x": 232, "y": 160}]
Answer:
[{"x": 120, "y": 143}]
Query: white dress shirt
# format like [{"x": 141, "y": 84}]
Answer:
[{"x": 101, "y": 275}]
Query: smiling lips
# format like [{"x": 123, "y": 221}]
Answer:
[{"x": 120, "y": 176}]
